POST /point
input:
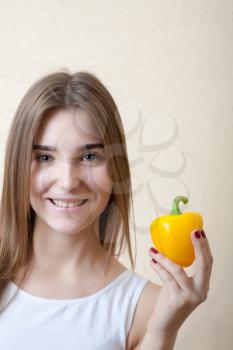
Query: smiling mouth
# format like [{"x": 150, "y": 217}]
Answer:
[{"x": 67, "y": 205}]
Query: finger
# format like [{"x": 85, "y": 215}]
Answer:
[
  {"x": 174, "y": 269},
  {"x": 202, "y": 267},
  {"x": 210, "y": 258},
  {"x": 203, "y": 242},
  {"x": 166, "y": 277},
  {"x": 207, "y": 248}
]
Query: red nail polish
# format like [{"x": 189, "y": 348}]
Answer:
[
  {"x": 197, "y": 234},
  {"x": 203, "y": 234},
  {"x": 154, "y": 261},
  {"x": 154, "y": 250}
]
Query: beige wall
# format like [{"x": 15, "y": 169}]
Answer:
[{"x": 170, "y": 63}]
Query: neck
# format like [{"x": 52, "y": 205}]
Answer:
[{"x": 63, "y": 255}]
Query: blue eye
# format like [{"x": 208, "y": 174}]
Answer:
[
  {"x": 90, "y": 154},
  {"x": 89, "y": 159},
  {"x": 42, "y": 155}
]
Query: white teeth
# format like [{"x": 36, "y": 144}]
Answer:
[{"x": 68, "y": 204}]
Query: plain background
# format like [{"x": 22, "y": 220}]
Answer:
[{"x": 168, "y": 65}]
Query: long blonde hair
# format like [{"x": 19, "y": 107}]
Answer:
[{"x": 60, "y": 90}]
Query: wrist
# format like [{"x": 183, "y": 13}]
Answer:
[
  {"x": 158, "y": 340},
  {"x": 161, "y": 333},
  {"x": 164, "y": 340}
]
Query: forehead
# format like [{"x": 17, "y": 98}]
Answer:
[{"x": 63, "y": 126}]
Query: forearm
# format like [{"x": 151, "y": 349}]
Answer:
[{"x": 152, "y": 341}]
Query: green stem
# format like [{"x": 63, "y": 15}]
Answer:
[{"x": 175, "y": 205}]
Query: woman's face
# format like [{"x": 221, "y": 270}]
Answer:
[{"x": 69, "y": 171}]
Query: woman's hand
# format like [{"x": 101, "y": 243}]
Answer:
[{"x": 180, "y": 294}]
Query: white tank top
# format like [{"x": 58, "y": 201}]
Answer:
[{"x": 100, "y": 321}]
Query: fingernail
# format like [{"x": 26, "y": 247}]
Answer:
[
  {"x": 197, "y": 234},
  {"x": 203, "y": 234},
  {"x": 154, "y": 250},
  {"x": 154, "y": 261}
]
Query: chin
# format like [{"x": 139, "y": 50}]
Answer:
[{"x": 69, "y": 229}]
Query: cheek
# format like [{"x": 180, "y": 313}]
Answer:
[
  {"x": 101, "y": 181},
  {"x": 97, "y": 178},
  {"x": 37, "y": 181}
]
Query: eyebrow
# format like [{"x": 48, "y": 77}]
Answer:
[{"x": 81, "y": 148}]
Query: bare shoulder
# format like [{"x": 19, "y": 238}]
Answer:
[{"x": 142, "y": 314}]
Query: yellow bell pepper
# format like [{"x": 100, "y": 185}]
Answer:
[{"x": 171, "y": 234}]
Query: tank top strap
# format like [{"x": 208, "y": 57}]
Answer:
[{"x": 129, "y": 295}]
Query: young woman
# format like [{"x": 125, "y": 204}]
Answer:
[{"x": 64, "y": 215}]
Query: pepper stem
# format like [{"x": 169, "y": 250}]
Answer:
[{"x": 175, "y": 205}]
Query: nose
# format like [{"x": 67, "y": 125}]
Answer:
[{"x": 69, "y": 176}]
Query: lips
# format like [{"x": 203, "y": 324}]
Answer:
[
  {"x": 82, "y": 202},
  {"x": 67, "y": 200}
]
